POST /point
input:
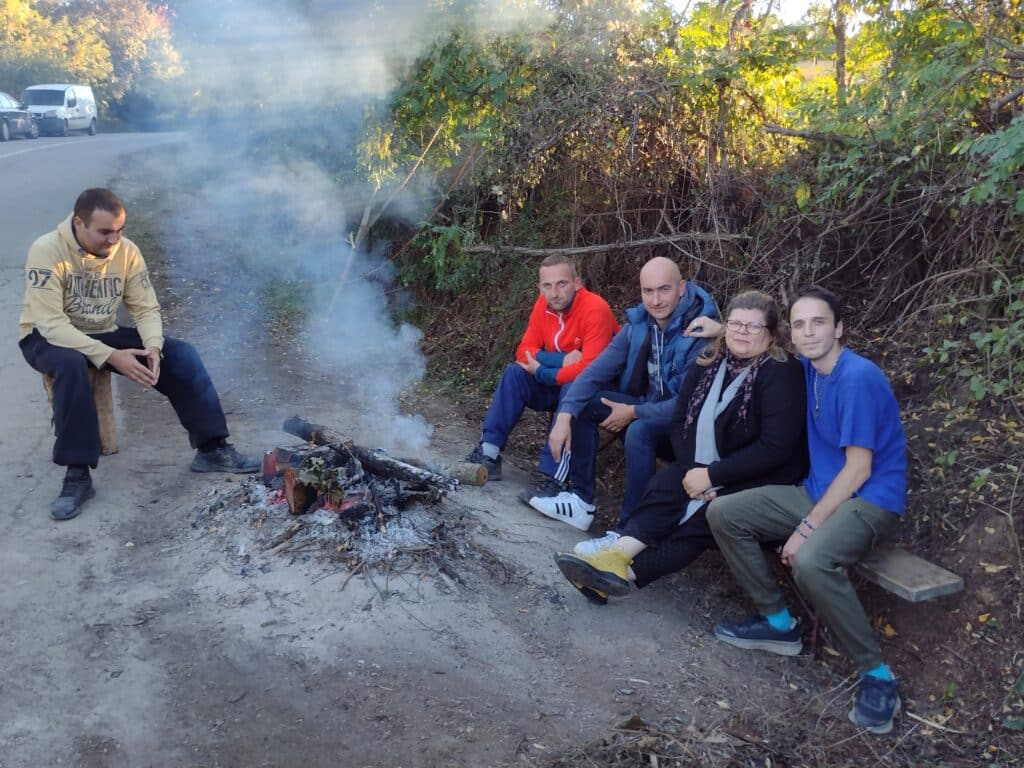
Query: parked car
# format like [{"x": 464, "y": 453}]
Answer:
[
  {"x": 16, "y": 119},
  {"x": 60, "y": 108}
]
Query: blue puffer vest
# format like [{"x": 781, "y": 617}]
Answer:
[{"x": 678, "y": 352}]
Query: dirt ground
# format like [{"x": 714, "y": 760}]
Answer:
[{"x": 153, "y": 639}]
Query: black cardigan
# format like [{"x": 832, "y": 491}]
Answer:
[{"x": 768, "y": 447}]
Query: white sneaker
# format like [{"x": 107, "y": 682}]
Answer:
[
  {"x": 593, "y": 546},
  {"x": 567, "y": 507}
]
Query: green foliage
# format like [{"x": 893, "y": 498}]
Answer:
[
  {"x": 1001, "y": 346},
  {"x": 130, "y": 63},
  {"x": 443, "y": 265},
  {"x": 1001, "y": 171},
  {"x": 990, "y": 360}
]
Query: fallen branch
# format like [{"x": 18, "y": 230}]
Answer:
[
  {"x": 283, "y": 538},
  {"x": 932, "y": 724},
  {"x": 781, "y": 130},
  {"x": 605, "y": 247},
  {"x": 998, "y": 104}
]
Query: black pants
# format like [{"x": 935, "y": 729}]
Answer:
[
  {"x": 183, "y": 380},
  {"x": 655, "y": 521}
]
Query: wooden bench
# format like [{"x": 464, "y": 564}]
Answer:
[
  {"x": 102, "y": 395},
  {"x": 895, "y": 570},
  {"x": 905, "y": 574}
]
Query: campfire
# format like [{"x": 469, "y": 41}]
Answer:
[
  {"x": 332, "y": 498},
  {"x": 347, "y": 479}
]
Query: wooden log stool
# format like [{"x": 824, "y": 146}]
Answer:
[{"x": 99, "y": 381}]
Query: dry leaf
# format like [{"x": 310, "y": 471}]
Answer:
[
  {"x": 830, "y": 651},
  {"x": 990, "y": 568},
  {"x": 888, "y": 631},
  {"x": 982, "y": 618}
]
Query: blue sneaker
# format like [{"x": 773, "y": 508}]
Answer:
[
  {"x": 755, "y": 633},
  {"x": 876, "y": 704}
]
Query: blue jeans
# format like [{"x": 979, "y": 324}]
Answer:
[
  {"x": 183, "y": 380},
  {"x": 516, "y": 391},
  {"x": 644, "y": 441}
]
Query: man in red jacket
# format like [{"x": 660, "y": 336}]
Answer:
[{"x": 567, "y": 329}]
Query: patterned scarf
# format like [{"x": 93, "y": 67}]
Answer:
[{"x": 733, "y": 365}]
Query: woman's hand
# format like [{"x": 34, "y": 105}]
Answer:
[{"x": 697, "y": 483}]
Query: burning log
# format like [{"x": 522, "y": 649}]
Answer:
[
  {"x": 374, "y": 460},
  {"x": 299, "y": 495}
]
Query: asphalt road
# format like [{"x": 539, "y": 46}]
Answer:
[{"x": 42, "y": 605}]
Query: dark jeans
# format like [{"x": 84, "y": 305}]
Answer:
[
  {"x": 655, "y": 521},
  {"x": 644, "y": 442},
  {"x": 183, "y": 380},
  {"x": 516, "y": 391}
]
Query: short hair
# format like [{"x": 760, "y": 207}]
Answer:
[
  {"x": 95, "y": 199},
  {"x": 822, "y": 294},
  {"x": 556, "y": 260}
]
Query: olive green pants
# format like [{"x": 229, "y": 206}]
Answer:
[{"x": 741, "y": 521}]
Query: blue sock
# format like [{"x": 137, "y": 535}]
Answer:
[
  {"x": 882, "y": 672},
  {"x": 781, "y": 621}
]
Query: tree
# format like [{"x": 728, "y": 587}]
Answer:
[{"x": 35, "y": 48}]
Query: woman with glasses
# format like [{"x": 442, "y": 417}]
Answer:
[{"x": 738, "y": 423}]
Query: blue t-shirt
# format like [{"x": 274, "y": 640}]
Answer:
[{"x": 854, "y": 405}]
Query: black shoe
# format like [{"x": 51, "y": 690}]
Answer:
[
  {"x": 493, "y": 466},
  {"x": 75, "y": 491},
  {"x": 225, "y": 459},
  {"x": 545, "y": 488},
  {"x": 595, "y": 596}
]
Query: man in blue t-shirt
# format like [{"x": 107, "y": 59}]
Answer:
[{"x": 853, "y": 495}]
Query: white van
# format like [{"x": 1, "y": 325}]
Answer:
[{"x": 62, "y": 107}]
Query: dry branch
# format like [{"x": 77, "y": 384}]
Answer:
[
  {"x": 781, "y": 130},
  {"x": 605, "y": 247},
  {"x": 999, "y": 103}
]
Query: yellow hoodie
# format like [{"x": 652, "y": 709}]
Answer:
[{"x": 70, "y": 293}]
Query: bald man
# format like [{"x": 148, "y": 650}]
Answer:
[{"x": 630, "y": 388}]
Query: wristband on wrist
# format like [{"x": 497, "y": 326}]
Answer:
[
  {"x": 802, "y": 534},
  {"x": 805, "y": 522}
]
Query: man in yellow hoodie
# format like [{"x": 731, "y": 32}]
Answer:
[{"x": 76, "y": 277}]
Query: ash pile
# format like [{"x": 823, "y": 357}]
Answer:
[{"x": 330, "y": 499}]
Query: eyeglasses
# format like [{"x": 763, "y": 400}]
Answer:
[{"x": 752, "y": 328}]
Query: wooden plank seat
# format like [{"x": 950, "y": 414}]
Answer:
[
  {"x": 102, "y": 395},
  {"x": 905, "y": 574},
  {"x": 895, "y": 570}
]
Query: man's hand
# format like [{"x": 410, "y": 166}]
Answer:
[
  {"x": 530, "y": 366},
  {"x": 789, "y": 549},
  {"x": 135, "y": 364},
  {"x": 697, "y": 483},
  {"x": 622, "y": 416},
  {"x": 153, "y": 355},
  {"x": 704, "y": 328},
  {"x": 571, "y": 358},
  {"x": 560, "y": 437}
]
